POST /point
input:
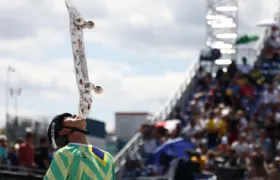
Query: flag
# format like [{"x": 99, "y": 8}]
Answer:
[{"x": 246, "y": 39}]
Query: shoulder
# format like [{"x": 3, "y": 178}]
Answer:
[
  {"x": 103, "y": 151},
  {"x": 67, "y": 151},
  {"x": 102, "y": 154}
]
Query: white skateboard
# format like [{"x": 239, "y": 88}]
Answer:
[{"x": 77, "y": 24}]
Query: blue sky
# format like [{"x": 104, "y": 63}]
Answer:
[{"x": 138, "y": 52}]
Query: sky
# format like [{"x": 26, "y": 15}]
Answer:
[{"x": 138, "y": 52}]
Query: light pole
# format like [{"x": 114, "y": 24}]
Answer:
[
  {"x": 9, "y": 70},
  {"x": 16, "y": 93}
]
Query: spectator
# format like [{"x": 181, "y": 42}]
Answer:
[
  {"x": 26, "y": 151},
  {"x": 212, "y": 131},
  {"x": 232, "y": 69},
  {"x": 247, "y": 90},
  {"x": 242, "y": 121},
  {"x": 211, "y": 156},
  {"x": 224, "y": 147},
  {"x": 267, "y": 70},
  {"x": 241, "y": 146},
  {"x": 256, "y": 77},
  {"x": 258, "y": 164},
  {"x": 244, "y": 68},
  {"x": 223, "y": 126},
  {"x": 269, "y": 98},
  {"x": 231, "y": 160},
  {"x": 270, "y": 127},
  {"x": 149, "y": 142},
  {"x": 201, "y": 76},
  {"x": 266, "y": 145},
  {"x": 275, "y": 173},
  {"x": 192, "y": 129},
  {"x": 42, "y": 154},
  {"x": 3, "y": 151},
  {"x": 12, "y": 156},
  {"x": 18, "y": 143},
  {"x": 179, "y": 114},
  {"x": 233, "y": 93},
  {"x": 273, "y": 42}
]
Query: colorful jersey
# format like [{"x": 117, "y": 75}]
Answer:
[{"x": 81, "y": 162}]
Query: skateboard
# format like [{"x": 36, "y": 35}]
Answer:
[{"x": 77, "y": 24}]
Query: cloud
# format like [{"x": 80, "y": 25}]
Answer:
[
  {"x": 53, "y": 83},
  {"x": 131, "y": 26},
  {"x": 165, "y": 28},
  {"x": 36, "y": 41}
]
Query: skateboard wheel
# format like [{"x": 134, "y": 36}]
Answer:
[
  {"x": 79, "y": 21},
  {"x": 90, "y": 24},
  {"x": 98, "y": 90}
]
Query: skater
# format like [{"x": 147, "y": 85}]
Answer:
[{"x": 75, "y": 158}]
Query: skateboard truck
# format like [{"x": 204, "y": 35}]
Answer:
[
  {"x": 79, "y": 21},
  {"x": 97, "y": 89}
]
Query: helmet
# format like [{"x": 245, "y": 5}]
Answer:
[{"x": 58, "y": 141}]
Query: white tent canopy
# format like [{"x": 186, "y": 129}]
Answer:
[{"x": 267, "y": 23}]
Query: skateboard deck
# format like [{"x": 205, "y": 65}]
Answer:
[{"x": 77, "y": 24}]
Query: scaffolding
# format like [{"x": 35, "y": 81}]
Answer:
[{"x": 222, "y": 28}]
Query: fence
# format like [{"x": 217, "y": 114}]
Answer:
[
  {"x": 18, "y": 172},
  {"x": 16, "y": 127}
]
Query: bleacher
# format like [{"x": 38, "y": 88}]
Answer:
[
  {"x": 266, "y": 63},
  {"x": 185, "y": 93}
]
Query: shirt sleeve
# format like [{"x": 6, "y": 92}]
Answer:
[
  {"x": 113, "y": 172},
  {"x": 60, "y": 166}
]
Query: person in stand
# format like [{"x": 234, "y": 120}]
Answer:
[
  {"x": 26, "y": 152},
  {"x": 42, "y": 154},
  {"x": 75, "y": 158}
]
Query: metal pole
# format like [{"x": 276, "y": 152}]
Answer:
[
  {"x": 9, "y": 69},
  {"x": 7, "y": 94},
  {"x": 16, "y": 102}
]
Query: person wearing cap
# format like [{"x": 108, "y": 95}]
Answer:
[
  {"x": 224, "y": 147},
  {"x": 275, "y": 173},
  {"x": 26, "y": 151},
  {"x": 75, "y": 158}
]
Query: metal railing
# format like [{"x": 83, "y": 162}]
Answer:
[
  {"x": 19, "y": 172},
  {"x": 136, "y": 141}
]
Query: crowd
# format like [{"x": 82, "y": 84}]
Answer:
[
  {"x": 233, "y": 120},
  {"x": 24, "y": 154}
]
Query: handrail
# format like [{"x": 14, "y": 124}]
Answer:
[
  {"x": 21, "y": 172},
  {"x": 260, "y": 44},
  {"x": 171, "y": 102},
  {"x": 136, "y": 142}
]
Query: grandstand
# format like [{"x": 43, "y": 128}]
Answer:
[
  {"x": 188, "y": 88},
  {"x": 192, "y": 90}
]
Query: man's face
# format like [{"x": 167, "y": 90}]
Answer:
[{"x": 76, "y": 122}]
